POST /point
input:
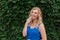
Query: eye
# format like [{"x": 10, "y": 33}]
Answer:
[{"x": 34, "y": 12}]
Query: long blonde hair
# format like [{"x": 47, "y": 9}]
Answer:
[{"x": 40, "y": 14}]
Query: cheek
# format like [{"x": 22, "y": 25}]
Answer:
[
  {"x": 30, "y": 14},
  {"x": 36, "y": 15}
]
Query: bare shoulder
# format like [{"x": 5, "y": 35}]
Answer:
[{"x": 41, "y": 26}]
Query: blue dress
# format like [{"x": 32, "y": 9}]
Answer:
[{"x": 33, "y": 33}]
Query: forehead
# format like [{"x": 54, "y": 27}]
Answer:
[{"x": 35, "y": 10}]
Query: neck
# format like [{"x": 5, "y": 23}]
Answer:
[{"x": 34, "y": 21}]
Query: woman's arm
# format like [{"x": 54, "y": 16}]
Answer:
[
  {"x": 24, "y": 32},
  {"x": 43, "y": 32}
]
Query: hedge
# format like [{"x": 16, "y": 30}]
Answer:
[{"x": 13, "y": 15}]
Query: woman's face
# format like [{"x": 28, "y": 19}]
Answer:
[{"x": 34, "y": 14}]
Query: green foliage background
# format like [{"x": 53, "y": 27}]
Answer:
[{"x": 13, "y": 14}]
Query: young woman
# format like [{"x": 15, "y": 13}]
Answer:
[{"x": 34, "y": 28}]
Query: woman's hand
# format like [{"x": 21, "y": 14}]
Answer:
[{"x": 29, "y": 20}]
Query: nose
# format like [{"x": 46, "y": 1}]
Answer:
[{"x": 33, "y": 14}]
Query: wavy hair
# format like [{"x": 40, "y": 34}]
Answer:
[{"x": 39, "y": 16}]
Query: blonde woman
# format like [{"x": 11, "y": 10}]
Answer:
[{"x": 34, "y": 28}]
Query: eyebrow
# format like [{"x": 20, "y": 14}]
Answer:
[{"x": 34, "y": 12}]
